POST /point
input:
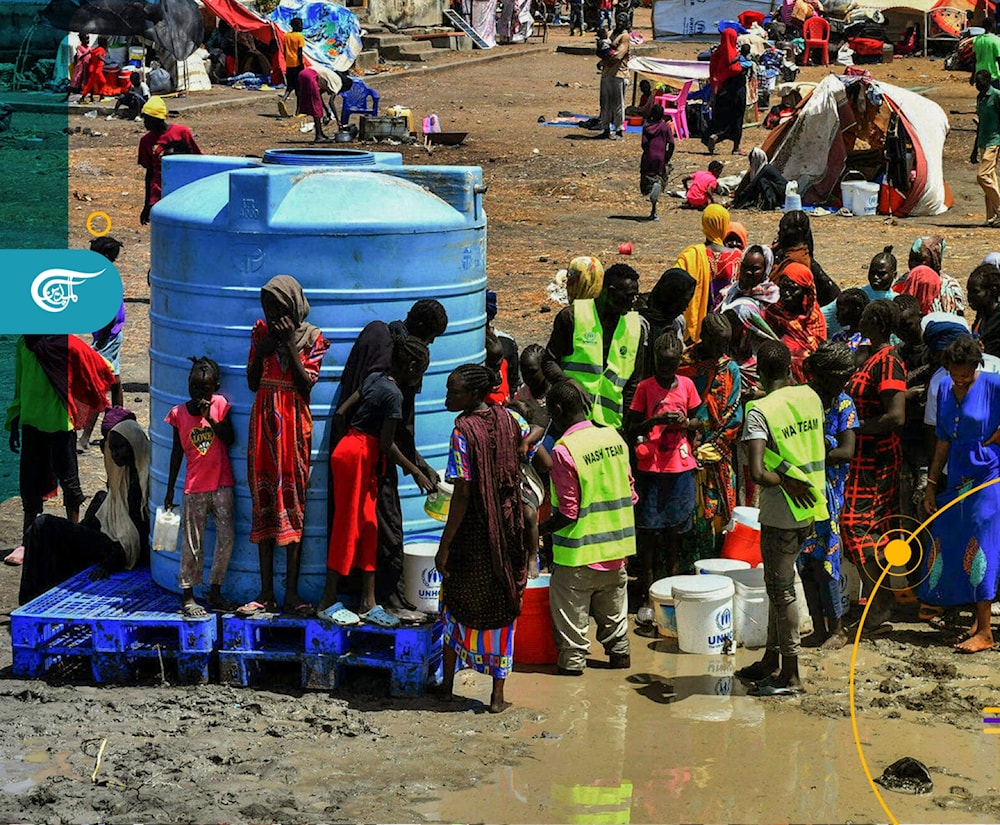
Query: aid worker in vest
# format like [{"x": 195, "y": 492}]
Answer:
[
  {"x": 593, "y": 532},
  {"x": 599, "y": 343},
  {"x": 784, "y": 434}
]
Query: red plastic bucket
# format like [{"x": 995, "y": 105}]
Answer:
[
  {"x": 742, "y": 543},
  {"x": 533, "y": 642}
]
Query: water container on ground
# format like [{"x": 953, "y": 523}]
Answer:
[
  {"x": 750, "y": 607},
  {"x": 704, "y": 606},
  {"x": 366, "y": 237},
  {"x": 533, "y": 640},
  {"x": 721, "y": 567},
  {"x": 661, "y": 594}
]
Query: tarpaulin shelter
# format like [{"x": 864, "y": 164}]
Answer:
[
  {"x": 677, "y": 20},
  {"x": 332, "y": 31},
  {"x": 242, "y": 19},
  {"x": 174, "y": 25},
  {"x": 850, "y": 123}
]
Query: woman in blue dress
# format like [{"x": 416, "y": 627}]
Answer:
[{"x": 964, "y": 558}]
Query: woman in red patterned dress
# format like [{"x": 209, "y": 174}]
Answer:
[{"x": 285, "y": 356}]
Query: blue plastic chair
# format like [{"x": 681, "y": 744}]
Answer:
[{"x": 355, "y": 102}]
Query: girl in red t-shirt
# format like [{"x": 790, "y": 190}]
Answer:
[{"x": 203, "y": 432}]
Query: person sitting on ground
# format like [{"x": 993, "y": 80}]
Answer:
[
  {"x": 657, "y": 150},
  {"x": 134, "y": 99},
  {"x": 907, "y": 43},
  {"x": 701, "y": 186},
  {"x": 763, "y": 186},
  {"x": 784, "y": 429},
  {"x": 113, "y": 532},
  {"x": 203, "y": 433},
  {"x": 59, "y": 381},
  {"x": 646, "y": 99}
]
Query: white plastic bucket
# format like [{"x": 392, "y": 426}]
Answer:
[
  {"x": 421, "y": 580},
  {"x": 721, "y": 567},
  {"x": 661, "y": 594},
  {"x": 860, "y": 196},
  {"x": 166, "y": 529},
  {"x": 750, "y": 607},
  {"x": 704, "y": 607}
]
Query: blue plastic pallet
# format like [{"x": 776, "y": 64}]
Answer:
[
  {"x": 114, "y": 623},
  {"x": 327, "y": 653}
]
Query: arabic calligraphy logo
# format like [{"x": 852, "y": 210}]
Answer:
[{"x": 52, "y": 290}]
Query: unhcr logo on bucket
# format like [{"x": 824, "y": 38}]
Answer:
[{"x": 57, "y": 291}]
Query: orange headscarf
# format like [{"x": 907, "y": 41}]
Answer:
[
  {"x": 804, "y": 332},
  {"x": 924, "y": 284},
  {"x": 740, "y": 231}
]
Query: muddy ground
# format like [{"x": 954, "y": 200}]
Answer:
[{"x": 674, "y": 739}]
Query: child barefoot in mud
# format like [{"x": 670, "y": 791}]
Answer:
[
  {"x": 783, "y": 429},
  {"x": 203, "y": 432},
  {"x": 481, "y": 556},
  {"x": 535, "y": 465},
  {"x": 285, "y": 357}
]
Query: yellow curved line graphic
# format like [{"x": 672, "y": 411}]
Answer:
[{"x": 857, "y": 642}]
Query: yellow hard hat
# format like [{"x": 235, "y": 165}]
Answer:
[{"x": 155, "y": 107}]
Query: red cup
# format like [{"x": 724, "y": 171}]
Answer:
[{"x": 625, "y": 248}]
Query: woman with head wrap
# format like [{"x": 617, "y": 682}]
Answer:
[
  {"x": 666, "y": 306},
  {"x": 929, "y": 250},
  {"x": 749, "y": 329},
  {"x": 713, "y": 266},
  {"x": 729, "y": 94},
  {"x": 763, "y": 186},
  {"x": 283, "y": 365},
  {"x": 984, "y": 300},
  {"x": 716, "y": 377},
  {"x": 584, "y": 278},
  {"x": 797, "y": 318},
  {"x": 829, "y": 369},
  {"x": 924, "y": 284},
  {"x": 754, "y": 279},
  {"x": 871, "y": 494},
  {"x": 963, "y": 563},
  {"x": 114, "y": 532},
  {"x": 794, "y": 244},
  {"x": 736, "y": 237}
]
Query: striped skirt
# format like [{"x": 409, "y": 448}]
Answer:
[{"x": 488, "y": 651}]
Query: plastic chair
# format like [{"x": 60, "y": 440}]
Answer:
[
  {"x": 675, "y": 107},
  {"x": 355, "y": 102},
  {"x": 816, "y": 32}
]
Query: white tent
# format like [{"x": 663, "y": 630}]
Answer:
[
  {"x": 679, "y": 20},
  {"x": 812, "y": 148}
]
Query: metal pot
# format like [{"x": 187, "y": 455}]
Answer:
[{"x": 343, "y": 136}]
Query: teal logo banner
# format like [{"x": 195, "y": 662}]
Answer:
[{"x": 56, "y": 291}]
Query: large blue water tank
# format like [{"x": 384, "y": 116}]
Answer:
[{"x": 366, "y": 236}]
